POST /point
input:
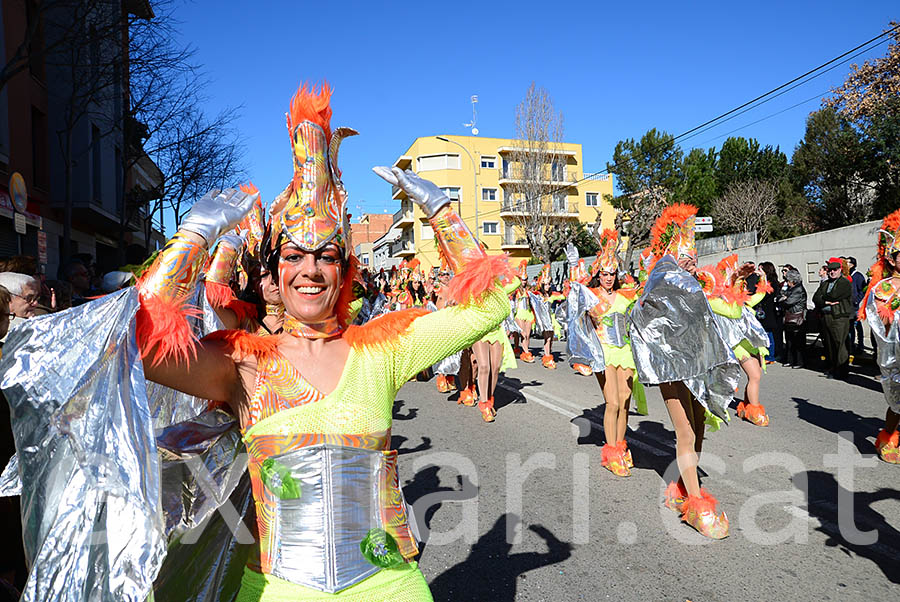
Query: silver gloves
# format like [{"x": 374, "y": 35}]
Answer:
[
  {"x": 424, "y": 193},
  {"x": 218, "y": 212},
  {"x": 572, "y": 255}
]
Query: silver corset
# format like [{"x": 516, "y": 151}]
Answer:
[{"x": 316, "y": 537}]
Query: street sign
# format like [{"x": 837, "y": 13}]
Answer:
[
  {"x": 703, "y": 228},
  {"x": 21, "y": 226},
  {"x": 703, "y": 220},
  {"x": 42, "y": 247},
  {"x": 18, "y": 192}
]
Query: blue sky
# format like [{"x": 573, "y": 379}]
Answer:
[{"x": 614, "y": 69}]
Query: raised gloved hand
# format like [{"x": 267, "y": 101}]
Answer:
[
  {"x": 572, "y": 255},
  {"x": 424, "y": 193},
  {"x": 218, "y": 212}
]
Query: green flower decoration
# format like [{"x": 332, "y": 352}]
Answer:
[
  {"x": 277, "y": 479},
  {"x": 895, "y": 303},
  {"x": 886, "y": 286},
  {"x": 380, "y": 549}
]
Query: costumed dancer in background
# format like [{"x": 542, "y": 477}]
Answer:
[
  {"x": 315, "y": 399},
  {"x": 445, "y": 370},
  {"x": 881, "y": 308},
  {"x": 725, "y": 285},
  {"x": 677, "y": 346},
  {"x": 609, "y": 318},
  {"x": 524, "y": 316},
  {"x": 541, "y": 300},
  {"x": 577, "y": 273}
]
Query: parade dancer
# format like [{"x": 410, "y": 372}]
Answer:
[
  {"x": 725, "y": 285},
  {"x": 881, "y": 309},
  {"x": 524, "y": 317},
  {"x": 608, "y": 311},
  {"x": 677, "y": 346},
  {"x": 445, "y": 370},
  {"x": 540, "y": 300},
  {"x": 577, "y": 273},
  {"x": 314, "y": 403}
]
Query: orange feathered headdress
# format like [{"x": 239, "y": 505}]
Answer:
[
  {"x": 673, "y": 232},
  {"x": 254, "y": 224},
  {"x": 312, "y": 211},
  {"x": 607, "y": 261}
]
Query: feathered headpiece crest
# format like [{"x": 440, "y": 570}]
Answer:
[
  {"x": 254, "y": 224},
  {"x": 312, "y": 211},
  {"x": 673, "y": 232},
  {"x": 888, "y": 244},
  {"x": 607, "y": 261}
]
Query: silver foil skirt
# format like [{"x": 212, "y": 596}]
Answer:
[
  {"x": 582, "y": 342},
  {"x": 541, "y": 309},
  {"x": 888, "y": 352}
]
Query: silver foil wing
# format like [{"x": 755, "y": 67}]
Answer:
[
  {"x": 735, "y": 330},
  {"x": 509, "y": 323},
  {"x": 582, "y": 342},
  {"x": 168, "y": 406},
  {"x": 541, "y": 310},
  {"x": 674, "y": 337},
  {"x": 888, "y": 352},
  {"x": 92, "y": 519},
  {"x": 207, "y": 503}
]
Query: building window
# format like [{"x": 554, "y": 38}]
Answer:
[
  {"x": 453, "y": 193},
  {"x": 559, "y": 202},
  {"x": 433, "y": 162},
  {"x": 427, "y": 232},
  {"x": 488, "y": 162},
  {"x": 365, "y": 259},
  {"x": 592, "y": 199},
  {"x": 488, "y": 194},
  {"x": 490, "y": 228},
  {"x": 96, "y": 165}
]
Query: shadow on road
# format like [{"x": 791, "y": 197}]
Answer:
[
  {"x": 491, "y": 572},
  {"x": 822, "y": 503},
  {"x": 410, "y": 414},
  {"x": 503, "y": 396},
  {"x": 397, "y": 441},
  {"x": 426, "y": 495},
  {"x": 838, "y": 421}
]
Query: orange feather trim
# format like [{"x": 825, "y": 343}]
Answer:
[
  {"x": 704, "y": 502},
  {"x": 310, "y": 105},
  {"x": 249, "y": 188},
  {"x": 675, "y": 214},
  {"x": 885, "y": 313},
  {"x": 478, "y": 277},
  {"x": 244, "y": 344},
  {"x": 383, "y": 331},
  {"x": 884, "y": 438},
  {"x": 163, "y": 329},
  {"x": 220, "y": 296}
]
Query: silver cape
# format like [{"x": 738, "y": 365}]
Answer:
[
  {"x": 582, "y": 343},
  {"x": 541, "y": 310},
  {"x": 674, "y": 337},
  {"x": 107, "y": 488},
  {"x": 888, "y": 352},
  {"x": 735, "y": 330}
]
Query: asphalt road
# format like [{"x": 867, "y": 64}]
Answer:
[{"x": 522, "y": 510}]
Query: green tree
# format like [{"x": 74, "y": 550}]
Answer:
[
  {"x": 699, "y": 185},
  {"x": 741, "y": 160},
  {"x": 648, "y": 172}
]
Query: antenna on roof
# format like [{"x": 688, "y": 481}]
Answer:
[{"x": 474, "y": 116}]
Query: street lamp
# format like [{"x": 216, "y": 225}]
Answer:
[{"x": 474, "y": 180}]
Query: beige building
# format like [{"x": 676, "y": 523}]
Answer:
[{"x": 480, "y": 177}]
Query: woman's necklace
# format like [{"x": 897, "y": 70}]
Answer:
[{"x": 327, "y": 329}]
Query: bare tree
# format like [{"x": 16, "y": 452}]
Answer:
[
  {"x": 536, "y": 193},
  {"x": 746, "y": 206}
]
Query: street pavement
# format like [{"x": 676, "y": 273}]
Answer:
[{"x": 522, "y": 510}]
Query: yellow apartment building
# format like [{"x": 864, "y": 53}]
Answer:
[{"x": 479, "y": 175}]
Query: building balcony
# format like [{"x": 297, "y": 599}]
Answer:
[
  {"x": 511, "y": 242},
  {"x": 555, "y": 208},
  {"x": 521, "y": 149},
  {"x": 403, "y": 218},
  {"x": 397, "y": 193},
  {"x": 403, "y": 162},
  {"x": 515, "y": 176},
  {"x": 404, "y": 248}
]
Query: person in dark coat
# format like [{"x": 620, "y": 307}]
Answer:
[
  {"x": 792, "y": 301},
  {"x": 834, "y": 299},
  {"x": 858, "y": 284}
]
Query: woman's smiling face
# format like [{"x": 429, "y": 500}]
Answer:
[{"x": 310, "y": 282}]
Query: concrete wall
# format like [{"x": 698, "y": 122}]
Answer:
[{"x": 808, "y": 253}]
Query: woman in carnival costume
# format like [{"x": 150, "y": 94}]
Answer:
[
  {"x": 541, "y": 300},
  {"x": 607, "y": 305},
  {"x": 524, "y": 317},
  {"x": 677, "y": 346},
  {"x": 880, "y": 309},
  {"x": 314, "y": 403},
  {"x": 725, "y": 285},
  {"x": 445, "y": 370}
]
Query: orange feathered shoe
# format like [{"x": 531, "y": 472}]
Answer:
[
  {"x": 488, "y": 413},
  {"x": 467, "y": 396},
  {"x": 612, "y": 459},
  {"x": 888, "y": 446},
  {"x": 548, "y": 362},
  {"x": 754, "y": 413},
  {"x": 582, "y": 369},
  {"x": 441, "y": 383},
  {"x": 699, "y": 511},
  {"x": 527, "y": 357},
  {"x": 626, "y": 453},
  {"x": 676, "y": 494}
]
